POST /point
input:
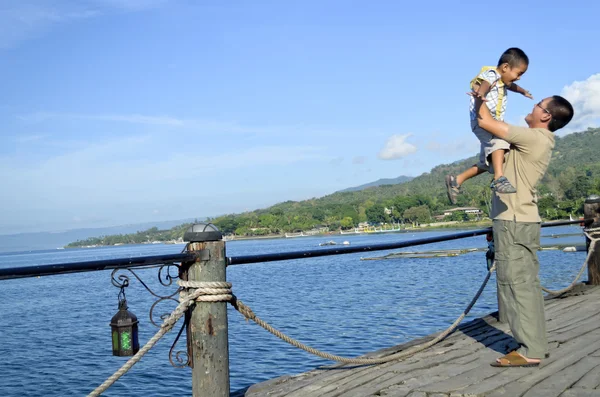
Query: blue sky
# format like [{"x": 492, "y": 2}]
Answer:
[{"x": 124, "y": 111}]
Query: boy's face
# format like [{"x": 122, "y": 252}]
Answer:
[{"x": 511, "y": 74}]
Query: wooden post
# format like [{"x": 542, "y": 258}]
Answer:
[
  {"x": 591, "y": 209},
  {"x": 208, "y": 333}
]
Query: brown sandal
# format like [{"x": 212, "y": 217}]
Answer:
[{"x": 513, "y": 359}]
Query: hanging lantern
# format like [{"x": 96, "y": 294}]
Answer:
[{"x": 124, "y": 326}]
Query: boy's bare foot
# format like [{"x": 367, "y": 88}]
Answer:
[
  {"x": 502, "y": 185},
  {"x": 452, "y": 188}
]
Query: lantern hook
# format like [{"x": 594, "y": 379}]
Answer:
[{"x": 122, "y": 283}]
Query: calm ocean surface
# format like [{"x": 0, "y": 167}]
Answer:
[{"x": 55, "y": 337}]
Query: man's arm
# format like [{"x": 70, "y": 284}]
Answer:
[{"x": 487, "y": 122}]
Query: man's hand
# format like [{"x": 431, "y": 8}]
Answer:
[
  {"x": 477, "y": 95},
  {"x": 480, "y": 90}
]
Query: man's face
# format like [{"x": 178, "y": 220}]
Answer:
[
  {"x": 539, "y": 113},
  {"x": 511, "y": 74}
]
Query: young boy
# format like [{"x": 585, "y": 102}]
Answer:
[{"x": 491, "y": 86}]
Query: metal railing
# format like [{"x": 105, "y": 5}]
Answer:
[
  {"x": 125, "y": 263},
  {"x": 92, "y": 266}
]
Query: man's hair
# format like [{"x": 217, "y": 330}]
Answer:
[
  {"x": 561, "y": 111},
  {"x": 514, "y": 57}
]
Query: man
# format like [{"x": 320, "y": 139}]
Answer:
[{"x": 516, "y": 225}]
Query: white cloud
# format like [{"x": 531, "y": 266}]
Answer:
[
  {"x": 585, "y": 98},
  {"x": 185, "y": 124},
  {"x": 129, "y": 5},
  {"x": 396, "y": 147},
  {"x": 359, "y": 160},
  {"x": 108, "y": 171},
  {"x": 40, "y": 117},
  {"x": 21, "y": 139},
  {"x": 336, "y": 161},
  {"x": 24, "y": 19},
  {"x": 454, "y": 147}
]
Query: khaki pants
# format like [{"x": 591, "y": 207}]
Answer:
[{"x": 519, "y": 290}]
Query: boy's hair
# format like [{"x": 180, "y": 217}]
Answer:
[
  {"x": 561, "y": 111},
  {"x": 514, "y": 57}
]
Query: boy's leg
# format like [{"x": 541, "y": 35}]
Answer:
[
  {"x": 453, "y": 182},
  {"x": 468, "y": 174},
  {"x": 500, "y": 183},
  {"x": 497, "y": 163}
]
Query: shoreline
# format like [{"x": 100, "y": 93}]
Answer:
[
  {"x": 418, "y": 229},
  {"x": 228, "y": 238}
]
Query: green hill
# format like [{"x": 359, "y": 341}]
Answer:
[
  {"x": 574, "y": 173},
  {"x": 379, "y": 182}
]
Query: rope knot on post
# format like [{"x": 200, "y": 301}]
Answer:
[
  {"x": 595, "y": 231},
  {"x": 202, "y": 291}
]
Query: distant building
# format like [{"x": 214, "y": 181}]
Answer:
[
  {"x": 467, "y": 210},
  {"x": 317, "y": 230}
]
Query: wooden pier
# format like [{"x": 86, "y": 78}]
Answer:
[{"x": 460, "y": 364}]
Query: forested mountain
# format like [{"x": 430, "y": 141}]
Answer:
[
  {"x": 380, "y": 182},
  {"x": 574, "y": 173}
]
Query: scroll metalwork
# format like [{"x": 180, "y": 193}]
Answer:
[{"x": 167, "y": 273}]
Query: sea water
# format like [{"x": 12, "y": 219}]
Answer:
[{"x": 55, "y": 334}]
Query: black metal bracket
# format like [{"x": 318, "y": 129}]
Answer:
[{"x": 166, "y": 277}]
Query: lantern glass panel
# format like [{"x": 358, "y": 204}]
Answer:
[{"x": 126, "y": 340}]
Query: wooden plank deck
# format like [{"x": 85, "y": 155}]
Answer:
[{"x": 459, "y": 365}]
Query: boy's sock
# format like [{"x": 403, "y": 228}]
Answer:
[{"x": 503, "y": 185}]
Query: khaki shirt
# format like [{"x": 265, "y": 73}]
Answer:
[{"x": 525, "y": 164}]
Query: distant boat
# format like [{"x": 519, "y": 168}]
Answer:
[{"x": 330, "y": 242}]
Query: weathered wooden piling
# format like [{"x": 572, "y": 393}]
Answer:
[
  {"x": 207, "y": 332},
  {"x": 591, "y": 209}
]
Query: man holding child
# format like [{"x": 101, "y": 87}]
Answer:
[{"x": 516, "y": 224}]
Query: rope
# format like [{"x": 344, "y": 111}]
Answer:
[
  {"x": 205, "y": 292},
  {"x": 591, "y": 249},
  {"x": 249, "y": 314}
]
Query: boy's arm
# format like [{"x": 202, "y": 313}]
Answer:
[
  {"x": 480, "y": 89},
  {"x": 520, "y": 90},
  {"x": 488, "y": 123}
]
